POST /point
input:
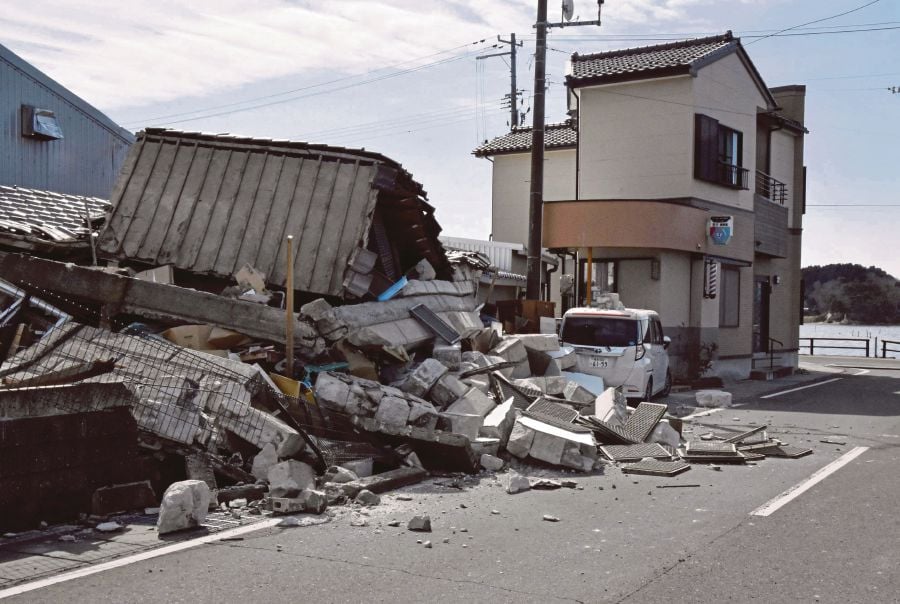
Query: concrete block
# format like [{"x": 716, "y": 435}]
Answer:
[
  {"x": 612, "y": 407},
  {"x": 477, "y": 358},
  {"x": 550, "y": 443},
  {"x": 421, "y": 524},
  {"x": 542, "y": 342},
  {"x": 120, "y": 498},
  {"x": 565, "y": 357},
  {"x": 424, "y": 271},
  {"x": 474, "y": 402},
  {"x": 339, "y": 475},
  {"x": 367, "y": 498},
  {"x": 169, "y": 421},
  {"x": 423, "y": 414},
  {"x": 482, "y": 382},
  {"x": 393, "y": 411},
  {"x": 315, "y": 310},
  {"x": 664, "y": 434},
  {"x": 447, "y": 390},
  {"x": 517, "y": 483},
  {"x": 578, "y": 394},
  {"x": 184, "y": 505},
  {"x": 521, "y": 438},
  {"x": 361, "y": 467},
  {"x": 547, "y": 447},
  {"x": 467, "y": 424},
  {"x": 420, "y": 381},
  {"x": 485, "y": 446},
  {"x": 331, "y": 391},
  {"x": 449, "y": 355},
  {"x": 511, "y": 349},
  {"x": 573, "y": 457},
  {"x": 499, "y": 422},
  {"x": 491, "y": 463},
  {"x": 591, "y": 383},
  {"x": 290, "y": 475},
  {"x": 713, "y": 398},
  {"x": 260, "y": 428},
  {"x": 263, "y": 461}
]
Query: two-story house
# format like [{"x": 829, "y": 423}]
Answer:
[{"x": 678, "y": 183}]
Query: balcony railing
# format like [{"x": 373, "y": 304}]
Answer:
[
  {"x": 733, "y": 176},
  {"x": 770, "y": 188}
]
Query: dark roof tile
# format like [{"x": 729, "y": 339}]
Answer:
[
  {"x": 37, "y": 210},
  {"x": 556, "y": 136}
]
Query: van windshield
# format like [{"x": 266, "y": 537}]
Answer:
[{"x": 600, "y": 331}]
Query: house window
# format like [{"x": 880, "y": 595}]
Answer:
[
  {"x": 730, "y": 297},
  {"x": 718, "y": 153}
]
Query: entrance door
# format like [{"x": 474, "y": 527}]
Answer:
[{"x": 761, "y": 292}]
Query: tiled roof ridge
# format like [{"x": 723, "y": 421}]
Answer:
[
  {"x": 623, "y": 52},
  {"x": 554, "y": 125},
  {"x": 48, "y": 192}
]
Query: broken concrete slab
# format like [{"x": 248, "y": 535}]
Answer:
[
  {"x": 591, "y": 383},
  {"x": 263, "y": 461},
  {"x": 423, "y": 415},
  {"x": 184, "y": 505},
  {"x": 541, "y": 342},
  {"x": 473, "y": 402},
  {"x": 491, "y": 463},
  {"x": 512, "y": 349},
  {"x": 664, "y": 434},
  {"x": 520, "y": 440},
  {"x": 565, "y": 358},
  {"x": 611, "y": 406},
  {"x": 449, "y": 355},
  {"x": 517, "y": 483},
  {"x": 713, "y": 398},
  {"x": 499, "y": 422},
  {"x": 437, "y": 449},
  {"x": 260, "y": 428},
  {"x": 557, "y": 446},
  {"x": 339, "y": 475},
  {"x": 392, "y": 411},
  {"x": 367, "y": 498},
  {"x": 465, "y": 424},
  {"x": 447, "y": 390},
  {"x": 421, "y": 524},
  {"x": 385, "y": 481},
  {"x": 290, "y": 475}
]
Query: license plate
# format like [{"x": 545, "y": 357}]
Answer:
[{"x": 599, "y": 363}]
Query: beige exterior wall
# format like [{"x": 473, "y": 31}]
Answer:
[
  {"x": 511, "y": 186},
  {"x": 634, "y": 146},
  {"x": 781, "y": 164},
  {"x": 738, "y": 341}
]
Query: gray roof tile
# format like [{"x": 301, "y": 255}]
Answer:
[
  {"x": 556, "y": 136},
  {"x": 32, "y": 212}
]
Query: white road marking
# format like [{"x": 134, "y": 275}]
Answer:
[
  {"x": 863, "y": 372},
  {"x": 154, "y": 553},
  {"x": 795, "y": 491},
  {"x": 773, "y": 395},
  {"x": 701, "y": 413}
]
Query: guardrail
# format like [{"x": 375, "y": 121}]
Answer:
[
  {"x": 866, "y": 344},
  {"x": 885, "y": 349}
]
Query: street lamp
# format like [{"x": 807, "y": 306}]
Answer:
[{"x": 536, "y": 195}]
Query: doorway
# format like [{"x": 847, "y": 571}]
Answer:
[{"x": 762, "y": 290}]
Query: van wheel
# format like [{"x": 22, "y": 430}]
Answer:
[
  {"x": 668, "y": 387},
  {"x": 648, "y": 393}
]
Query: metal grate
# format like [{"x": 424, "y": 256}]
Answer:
[
  {"x": 606, "y": 432},
  {"x": 644, "y": 419},
  {"x": 655, "y": 467},
  {"x": 737, "y": 438},
  {"x": 437, "y": 325},
  {"x": 551, "y": 409},
  {"x": 710, "y": 448},
  {"x": 635, "y": 452},
  {"x": 785, "y": 451},
  {"x": 522, "y": 396}
]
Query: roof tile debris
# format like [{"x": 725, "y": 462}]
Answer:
[
  {"x": 647, "y": 61},
  {"x": 46, "y": 214},
  {"x": 556, "y": 136}
]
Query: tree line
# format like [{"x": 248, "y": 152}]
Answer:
[{"x": 863, "y": 295}]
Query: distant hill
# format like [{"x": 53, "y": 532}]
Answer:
[{"x": 864, "y": 295}]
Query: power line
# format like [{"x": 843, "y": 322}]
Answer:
[
  {"x": 334, "y": 81},
  {"x": 853, "y": 205},
  {"x": 858, "y": 8}
]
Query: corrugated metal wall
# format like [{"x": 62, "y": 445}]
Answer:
[{"x": 85, "y": 162}]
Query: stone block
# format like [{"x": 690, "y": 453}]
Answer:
[
  {"x": 611, "y": 406},
  {"x": 424, "y": 271},
  {"x": 485, "y": 446},
  {"x": 491, "y": 463},
  {"x": 481, "y": 381},
  {"x": 316, "y": 310},
  {"x": 392, "y": 411},
  {"x": 260, "y": 428},
  {"x": 517, "y": 483},
  {"x": 420, "y": 381},
  {"x": 467, "y": 424},
  {"x": 550, "y": 443},
  {"x": 421, "y": 524},
  {"x": 565, "y": 357},
  {"x": 449, "y": 355},
  {"x": 521, "y": 438},
  {"x": 447, "y": 390},
  {"x": 169, "y": 421},
  {"x": 578, "y": 394},
  {"x": 314, "y": 502},
  {"x": 541, "y": 342},
  {"x": 361, "y": 467},
  {"x": 499, "y": 422},
  {"x": 423, "y": 414},
  {"x": 290, "y": 475},
  {"x": 474, "y": 402},
  {"x": 713, "y": 398},
  {"x": 664, "y": 434},
  {"x": 547, "y": 447},
  {"x": 339, "y": 475},
  {"x": 511, "y": 349},
  {"x": 477, "y": 358},
  {"x": 367, "y": 498},
  {"x": 263, "y": 461},
  {"x": 331, "y": 391},
  {"x": 184, "y": 505}
]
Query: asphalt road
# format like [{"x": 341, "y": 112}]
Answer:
[{"x": 619, "y": 538}]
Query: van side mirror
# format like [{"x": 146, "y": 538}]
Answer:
[{"x": 666, "y": 341}]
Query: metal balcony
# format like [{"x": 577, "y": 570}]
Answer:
[
  {"x": 733, "y": 176},
  {"x": 770, "y": 188}
]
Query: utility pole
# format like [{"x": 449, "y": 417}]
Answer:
[
  {"x": 513, "y": 93},
  {"x": 536, "y": 195}
]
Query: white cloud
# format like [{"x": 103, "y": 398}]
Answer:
[{"x": 148, "y": 51}]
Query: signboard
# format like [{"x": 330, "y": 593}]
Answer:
[{"x": 720, "y": 229}]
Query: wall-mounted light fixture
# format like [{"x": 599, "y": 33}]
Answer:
[{"x": 654, "y": 270}]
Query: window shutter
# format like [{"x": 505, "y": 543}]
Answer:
[{"x": 706, "y": 147}]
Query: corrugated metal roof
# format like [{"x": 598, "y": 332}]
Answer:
[
  {"x": 47, "y": 215},
  {"x": 556, "y": 136},
  {"x": 212, "y": 203}
]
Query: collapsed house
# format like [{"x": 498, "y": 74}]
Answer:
[{"x": 395, "y": 372}]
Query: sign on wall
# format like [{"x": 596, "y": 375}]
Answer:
[{"x": 721, "y": 229}]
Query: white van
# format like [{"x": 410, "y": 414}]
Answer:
[{"x": 625, "y": 347}]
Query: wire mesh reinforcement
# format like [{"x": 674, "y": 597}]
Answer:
[{"x": 186, "y": 396}]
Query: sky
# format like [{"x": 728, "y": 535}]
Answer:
[{"x": 400, "y": 77}]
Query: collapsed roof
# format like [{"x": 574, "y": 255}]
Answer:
[{"x": 210, "y": 204}]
